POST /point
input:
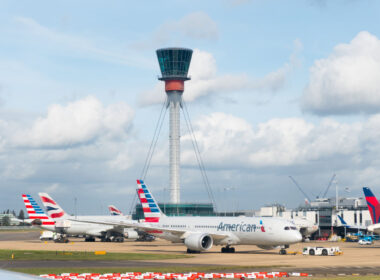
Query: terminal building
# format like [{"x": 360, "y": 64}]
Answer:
[
  {"x": 179, "y": 209},
  {"x": 324, "y": 212}
]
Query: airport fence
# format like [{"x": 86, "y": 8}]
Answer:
[{"x": 172, "y": 276}]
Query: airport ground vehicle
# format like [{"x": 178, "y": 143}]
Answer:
[
  {"x": 47, "y": 235},
  {"x": 365, "y": 241},
  {"x": 321, "y": 251}
]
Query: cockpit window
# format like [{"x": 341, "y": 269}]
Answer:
[
  {"x": 293, "y": 228},
  {"x": 286, "y": 228}
]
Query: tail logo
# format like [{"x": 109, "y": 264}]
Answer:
[
  {"x": 35, "y": 212},
  {"x": 52, "y": 208},
  {"x": 373, "y": 205},
  {"x": 262, "y": 226},
  {"x": 150, "y": 208},
  {"x": 114, "y": 211}
]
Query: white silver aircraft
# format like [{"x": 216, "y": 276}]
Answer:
[
  {"x": 201, "y": 233},
  {"x": 58, "y": 221}
]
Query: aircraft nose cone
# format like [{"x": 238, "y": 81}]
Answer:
[{"x": 297, "y": 237}]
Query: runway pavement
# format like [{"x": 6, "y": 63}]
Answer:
[
  {"x": 19, "y": 235},
  {"x": 355, "y": 260}
]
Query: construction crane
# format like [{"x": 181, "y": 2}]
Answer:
[
  {"x": 329, "y": 185},
  {"x": 298, "y": 186}
]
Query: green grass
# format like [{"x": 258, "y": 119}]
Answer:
[
  {"x": 102, "y": 270},
  {"x": 73, "y": 255}
]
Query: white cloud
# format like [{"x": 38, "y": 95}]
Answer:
[
  {"x": 196, "y": 26},
  {"x": 52, "y": 188},
  {"x": 205, "y": 80},
  {"x": 79, "y": 45},
  {"x": 227, "y": 141},
  {"x": 77, "y": 123},
  {"x": 122, "y": 162},
  {"x": 348, "y": 80}
]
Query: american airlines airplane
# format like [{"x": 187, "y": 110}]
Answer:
[
  {"x": 201, "y": 233},
  {"x": 374, "y": 210},
  {"x": 58, "y": 221}
]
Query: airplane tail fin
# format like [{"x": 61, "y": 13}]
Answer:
[
  {"x": 373, "y": 205},
  {"x": 52, "y": 208},
  {"x": 35, "y": 212},
  {"x": 152, "y": 212},
  {"x": 114, "y": 211},
  {"x": 343, "y": 222}
]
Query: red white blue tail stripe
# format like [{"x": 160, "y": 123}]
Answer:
[
  {"x": 35, "y": 211},
  {"x": 52, "y": 208},
  {"x": 114, "y": 211},
  {"x": 373, "y": 205},
  {"x": 152, "y": 212}
]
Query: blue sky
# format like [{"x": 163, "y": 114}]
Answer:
[{"x": 278, "y": 88}]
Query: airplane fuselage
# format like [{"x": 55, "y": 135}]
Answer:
[{"x": 239, "y": 230}]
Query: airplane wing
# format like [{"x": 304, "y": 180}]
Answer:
[
  {"x": 151, "y": 229},
  {"x": 16, "y": 276}
]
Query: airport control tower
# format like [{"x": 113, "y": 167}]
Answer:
[{"x": 174, "y": 65}]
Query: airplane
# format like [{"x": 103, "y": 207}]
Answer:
[
  {"x": 142, "y": 235},
  {"x": 58, "y": 221},
  {"x": 374, "y": 210},
  {"x": 114, "y": 211},
  {"x": 344, "y": 224},
  {"x": 201, "y": 233},
  {"x": 104, "y": 232}
]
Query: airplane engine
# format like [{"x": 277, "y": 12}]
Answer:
[
  {"x": 268, "y": 247},
  {"x": 199, "y": 242},
  {"x": 131, "y": 234}
]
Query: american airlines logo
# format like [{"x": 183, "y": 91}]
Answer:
[{"x": 240, "y": 227}]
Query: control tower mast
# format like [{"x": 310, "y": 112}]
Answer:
[{"x": 174, "y": 64}]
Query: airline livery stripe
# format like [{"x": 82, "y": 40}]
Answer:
[
  {"x": 151, "y": 220},
  {"x": 48, "y": 200},
  {"x": 56, "y": 215}
]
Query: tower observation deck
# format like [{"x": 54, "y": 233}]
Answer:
[{"x": 174, "y": 65}]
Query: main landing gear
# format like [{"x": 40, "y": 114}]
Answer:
[
  {"x": 89, "y": 239},
  {"x": 189, "y": 251},
  {"x": 282, "y": 252},
  {"x": 228, "y": 249},
  {"x": 283, "y": 249}
]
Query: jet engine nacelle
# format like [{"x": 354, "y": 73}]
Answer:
[
  {"x": 268, "y": 247},
  {"x": 199, "y": 242},
  {"x": 131, "y": 234}
]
